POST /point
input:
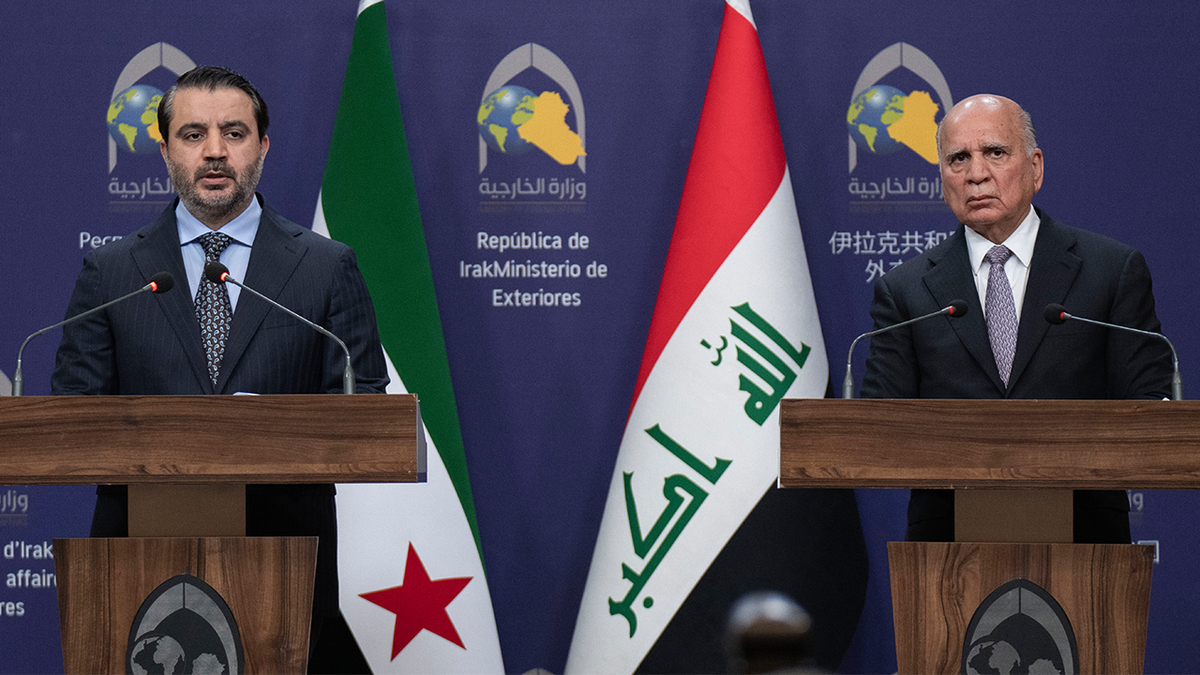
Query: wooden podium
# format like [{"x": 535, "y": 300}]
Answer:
[
  {"x": 1000, "y": 456},
  {"x": 186, "y": 459}
]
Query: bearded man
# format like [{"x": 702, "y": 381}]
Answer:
[{"x": 205, "y": 338}]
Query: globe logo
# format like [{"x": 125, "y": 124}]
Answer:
[
  {"x": 870, "y": 115},
  {"x": 884, "y": 119},
  {"x": 501, "y": 115},
  {"x": 157, "y": 653},
  {"x": 1019, "y": 628},
  {"x": 513, "y": 119},
  {"x": 133, "y": 119},
  {"x": 184, "y": 626},
  {"x": 1019, "y": 644}
]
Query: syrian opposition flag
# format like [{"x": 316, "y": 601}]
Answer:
[
  {"x": 412, "y": 582},
  {"x": 734, "y": 330}
]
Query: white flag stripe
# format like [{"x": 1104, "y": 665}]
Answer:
[
  {"x": 375, "y": 519},
  {"x": 376, "y": 523},
  {"x": 743, "y": 7}
]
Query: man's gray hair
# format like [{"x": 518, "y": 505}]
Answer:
[{"x": 1027, "y": 131}]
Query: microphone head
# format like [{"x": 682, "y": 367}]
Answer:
[
  {"x": 1055, "y": 314},
  {"x": 215, "y": 272},
  {"x": 958, "y": 308},
  {"x": 162, "y": 282}
]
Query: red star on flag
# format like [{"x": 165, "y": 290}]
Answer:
[{"x": 420, "y": 603}]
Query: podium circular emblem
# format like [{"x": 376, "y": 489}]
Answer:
[
  {"x": 184, "y": 626},
  {"x": 1020, "y": 628}
]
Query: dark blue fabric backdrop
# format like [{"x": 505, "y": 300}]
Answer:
[{"x": 543, "y": 392}]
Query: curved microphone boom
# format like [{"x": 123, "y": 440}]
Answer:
[
  {"x": 1057, "y": 314},
  {"x": 219, "y": 274},
  {"x": 955, "y": 309},
  {"x": 159, "y": 283}
]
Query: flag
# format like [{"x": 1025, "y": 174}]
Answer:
[
  {"x": 734, "y": 330},
  {"x": 412, "y": 584}
]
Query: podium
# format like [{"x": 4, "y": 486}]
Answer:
[
  {"x": 1000, "y": 456},
  {"x": 185, "y": 459}
]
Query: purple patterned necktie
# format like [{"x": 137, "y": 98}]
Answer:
[
  {"x": 212, "y": 305},
  {"x": 1001, "y": 313}
]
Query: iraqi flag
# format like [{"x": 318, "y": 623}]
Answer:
[
  {"x": 411, "y": 576},
  {"x": 692, "y": 518}
]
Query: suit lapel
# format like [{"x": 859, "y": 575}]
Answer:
[
  {"x": 951, "y": 278},
  {"x": 273, "y": 259},
  {"x": 1051, "y": 274},
  {"x": 157, "y": 250}
]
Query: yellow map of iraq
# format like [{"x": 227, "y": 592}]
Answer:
[
  {"x": 915, "y": 126},
  {"x": 547, "y": 129}
]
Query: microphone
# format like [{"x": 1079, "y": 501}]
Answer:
[
  {"x": 1057, "y": 314},
  {"x": 219, "y": 274},
  {"x": 159, "y": 283},
  {"x": 955, "y": 309}
]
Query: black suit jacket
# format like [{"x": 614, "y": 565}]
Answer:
[
  {"x": 1091, "y": 275},
  {"x": 151, "y": 344}
]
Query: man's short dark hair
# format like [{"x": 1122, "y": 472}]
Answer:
[{"x": 212, "y": 78}]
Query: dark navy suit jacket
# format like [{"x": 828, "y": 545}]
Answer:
[
  {"x": 1091, "y": 275},
  {"x": 151, "y": 345}
]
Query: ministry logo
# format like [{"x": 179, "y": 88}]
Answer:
[
  {"x": 184, "y": 626},
  {"x": 897, "y": 131},
  {"x": 141, "y": 101},
  {"x": 894, "y": 185},
  {"x": 514, "y": 120},
  {"x": 1020, "y": 628},
  {"x": 881, "y": 118},
  {"x": 133, "y": 134}
]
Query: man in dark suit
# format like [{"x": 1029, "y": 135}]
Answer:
[
  {"x": 213, "y": 124},
  {"x": 1009, "y": 260}
]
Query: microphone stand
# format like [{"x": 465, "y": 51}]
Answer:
[
  {"x": 955, "y": 309},
  {"x": 159, "y": 283},
  {"x": 218, "y": 273}
]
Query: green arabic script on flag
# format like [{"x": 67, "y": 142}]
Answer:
[{"x": 701, "y": 447}]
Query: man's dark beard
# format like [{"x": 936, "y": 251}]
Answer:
[{"x": 217, "y": 208}]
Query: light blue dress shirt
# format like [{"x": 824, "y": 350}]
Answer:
[{"x": 236, "y": 257}]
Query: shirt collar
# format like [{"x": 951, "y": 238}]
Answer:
[
  {"x": 1020, "y": 242},
  {"x": 241, "y": 229}
]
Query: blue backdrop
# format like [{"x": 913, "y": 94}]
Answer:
[{"x": 543, "y": 392}]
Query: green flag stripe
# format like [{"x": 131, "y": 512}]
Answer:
[{"x": 370, "y": 203}]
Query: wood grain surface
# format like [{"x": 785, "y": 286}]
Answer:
[
  {"x": 66, "y": 440},
  {"x": 1103, "y": 589},
  {"x": 266, "y": 581},
  {"x": 929, "y": 443}
]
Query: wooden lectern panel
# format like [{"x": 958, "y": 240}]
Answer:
[
  {"x": 1104, "y": 590},
  {"x": 931, "y": 443},
  {"x": 1024, "y": 448},
  {"x": 266, "y": 581},
  {"x": 172, "y": 510},
  {"x": 1022, "y": 516},
  {"x": 201, "y": 442},
  {"x": 310, "y": 438}
]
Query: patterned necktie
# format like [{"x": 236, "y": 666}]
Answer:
[
  {"x": 1001, "y": 313},
  {"x": 212, "y": 305}
]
